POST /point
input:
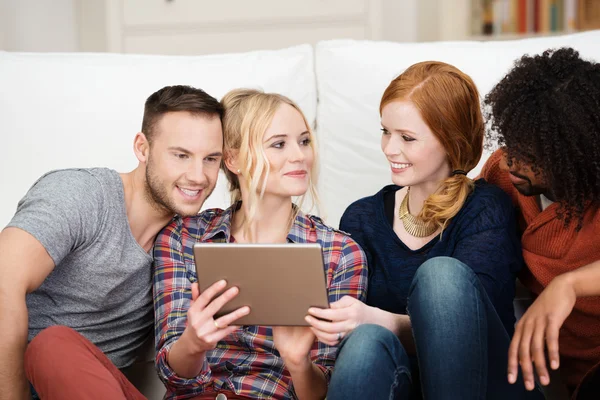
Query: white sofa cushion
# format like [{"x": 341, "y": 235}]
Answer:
[
  {"x": 83, "y": 110},
  {"x": 351, "y": 77}
]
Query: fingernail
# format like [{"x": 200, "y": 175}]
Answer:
[
  {"x": 222, "y": 282},
  {"x": 307, "y": 318},
  {"x": 544, "y": 380},
  {"x": 554, "y": 364},
  {"x": 311, "y": 310},
  {"x": 511, "y": 378},
  {"x": 529, "y": 385}
]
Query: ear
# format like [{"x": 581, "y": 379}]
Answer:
[
  {"x": 141, "y": 147},
  {"x": 231, "y": 161}
]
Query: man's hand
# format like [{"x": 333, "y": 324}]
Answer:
[{"x": 538, "y": 327}]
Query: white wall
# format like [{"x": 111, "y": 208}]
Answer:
[
  {"x": 400, "y": 20},
  {"x": 53, "y": 25},
  {"x": 38, "y": 25}
]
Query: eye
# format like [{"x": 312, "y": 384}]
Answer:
[
  {"x": 306, "y": 142},
  {"x": 408, "y": 138},
  {"x": 278, "y": 145},
  {"x": 182, "y": 156},
  {"x": 384, "y": 131},
  {"x": 212, "y": 159}
]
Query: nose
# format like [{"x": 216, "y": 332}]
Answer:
[
  {"x": 392, "y": 145},
  {"x": 196, "y": 173},
  {"x": 297, "y": 154},
  {"x": 509, "y": 165}
]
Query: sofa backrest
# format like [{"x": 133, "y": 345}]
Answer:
[
  {"x": 351, "y": 77},
  {"x": 83, "y": 110}
]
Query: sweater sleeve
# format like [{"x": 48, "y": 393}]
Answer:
[
  {"x": 491, "y": 246},
  {"x": 351, "y": 223}
]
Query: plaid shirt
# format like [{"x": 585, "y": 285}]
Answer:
[{"x": 245, "y": 362}]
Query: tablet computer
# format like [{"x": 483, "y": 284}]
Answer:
[{"x": 279, "y": 282}]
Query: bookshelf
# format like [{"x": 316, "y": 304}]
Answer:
[{"x": 515, "y": 19}]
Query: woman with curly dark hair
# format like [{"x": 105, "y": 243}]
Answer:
[{"x": 545, "y": 113}]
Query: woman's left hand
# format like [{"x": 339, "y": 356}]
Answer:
[{"x": 332, "y": 324}]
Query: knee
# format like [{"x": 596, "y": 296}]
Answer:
[
  {"x": 368, "y": 343},
  {"x": 48, "y": 344},
  {"x": 443, "y": 279}
]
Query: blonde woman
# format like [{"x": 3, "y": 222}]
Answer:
[
  {"x": 443, "y": 254},
  {"x": 269, "y": 157}
]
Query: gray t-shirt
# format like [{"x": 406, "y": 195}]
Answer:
[{"x": 101, "y": 285}]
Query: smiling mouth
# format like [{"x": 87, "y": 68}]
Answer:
[
  {"x": 400, "y": 165},
  {"x": 190, "y": 193}
]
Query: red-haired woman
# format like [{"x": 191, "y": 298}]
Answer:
[{"x": 443, "y": 253}]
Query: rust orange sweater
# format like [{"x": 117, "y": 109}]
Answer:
[{"x": 551, "y": 249}]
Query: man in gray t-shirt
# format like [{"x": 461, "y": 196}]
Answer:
[{"x": 75, "y": 257}]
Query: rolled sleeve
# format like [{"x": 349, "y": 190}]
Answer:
[
  {"x": 172, "y": 299},
  {"x": 348, "y": 277}
]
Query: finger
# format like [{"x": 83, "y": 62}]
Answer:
[
  {"x": 233, "y": 316},
  {"x": 344, "y": 302},
  {"x": 537, "y": 352},
  {"x": 552, "y": 332},
  {"x": 525, "y": 355},
  {"x": 329, "y": 314},
  {"x": 206, "y": 296},
  {"x": 195, "y": 291},
  {"x": 513, "y": 354},
  {"x": 328, "y": 339},
  {"x": 216, "y": 304},
  {"x": 328, "y": 327},
  {"x": 220, "y": 334}
]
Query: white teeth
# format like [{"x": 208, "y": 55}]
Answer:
[
  {"x": 191, "y": 193},
  {"x": 400, "y": 166}
]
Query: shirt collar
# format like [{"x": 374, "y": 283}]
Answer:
[{"x": 219, "y": 228}]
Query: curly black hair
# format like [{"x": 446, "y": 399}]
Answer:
[{"x": 546, "y": 113}]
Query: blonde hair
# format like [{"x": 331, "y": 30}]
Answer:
[
  {"x": 247, "y": 116},
  {"x": 448, "y": 102}
]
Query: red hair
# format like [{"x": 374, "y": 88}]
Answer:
[{"x": 449, "y": 103}]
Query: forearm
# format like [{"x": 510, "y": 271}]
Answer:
[
  {"x": 585, "y": 281},
  {"x": 308, "y": 380},
  {"x": 13, "y": 325},
  {"x": 184, "y": 360},
  {"x": 397, "y": 323}
]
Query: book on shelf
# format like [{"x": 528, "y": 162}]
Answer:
[{"x": 525, "y": 17}]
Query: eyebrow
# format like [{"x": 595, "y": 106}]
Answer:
[
  {"x": 398, "y": 130},
  {"x": 283, "y": 135},
  {"x": 186, "y": 151}
]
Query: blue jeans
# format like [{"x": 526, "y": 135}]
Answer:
[{"x": 462, "y": 346}]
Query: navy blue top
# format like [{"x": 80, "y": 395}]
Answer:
[{"x": 483, "y": 235}]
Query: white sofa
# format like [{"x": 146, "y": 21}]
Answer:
[{"x": 65, "y": 110}]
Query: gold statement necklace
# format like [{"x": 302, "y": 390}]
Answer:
[{"x": 414, "y": 225}]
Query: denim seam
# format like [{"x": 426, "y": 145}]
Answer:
[
  {"x": 479, "y": 328},
  {"x": 397, "y": 373}
]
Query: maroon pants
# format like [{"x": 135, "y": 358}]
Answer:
[{"x": 62, "y": 364}]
